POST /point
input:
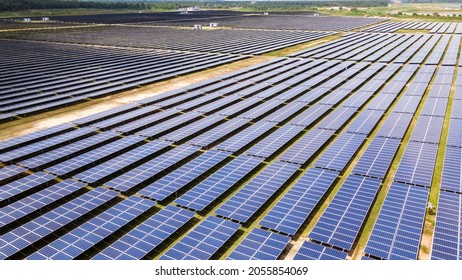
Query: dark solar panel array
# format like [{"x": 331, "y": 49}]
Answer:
[
  {"x": 447, "y": 238},
  {"x": 340, "y": 223},
  {"x": 86, "y": 73},
  {"x": 313, "y": 251},
  {"x": 203, "y": 241},
  {"x": 397, "y": 231},
  {"x": 260, "y": 245}
]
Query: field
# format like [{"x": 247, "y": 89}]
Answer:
[{"x": 315, "y": 143}]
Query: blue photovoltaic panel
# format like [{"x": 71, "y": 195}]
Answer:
[
  {"x": 275, "y": 141},
  {"x": 417, "y": 164},
  {"x": 34, "y": 137},
  {"x": 38, "y": 200},
  {"x": 456, "y": 113},
  {"x": 296, "y": 205},
  {"x": 25, "y": 235},
  {"x": 447, "y": 239},
  {"x": 337, "y": 118},
  {"x": 93, "y": 156},
  {"x": 126, "y": 117},
  {"x": 455, "y": 132},
  {"x": 377, "y": 158},
  {"x": 203, "y": 241},
  {"x": 452, "y": 170},
  {"x": 244, "y": 137},
  {"x": 193, "y": 128},
  {"x": 285, "y": 112},
  {"x": 337, "y": 156},
  {"x": 68, "y": 150},
  {"x": 381, "y": 102},
  {"x": 39, "y": 146},
  {"x": 243, "y": 204},
  {"x": 397, "y": 232},
  {"x": 427, "y": 129},
  {"x": 395, "y": 125},
  {"x": 312, "y": 95},
  {"x": 118, "y": 163},
  {"x": 239, "y": 107},
  {"x": 341, "y": 221},
  {"x": 262, "y": 109},
  {"x": 10, "y": 172},
  {"x": 357, "y": 99},
  {"x": 24, "y": 184},
  {"x": 407, "y": 104},
  {"x": 365, "y": 122},
  {"x": 147, "y": 121},
  {"x": 74, "y": 243},
  {"x": 435, "y": 107},
  {"x": 151, "y": 169},
  {"x": 107, "y": 114},
  {"x": 260, "y": 245},
  {"x": 306, "y": 146},
  {"x": 309, "y": 116},
  {"x": 144, "y": 238},
  {"x": 313, "y": 251},
  {"x": 219, "y": 182},
  {"x": 173, "y": 123},
  {"x": 183, "y": 175},
  {"x": 217, "y": 133}
]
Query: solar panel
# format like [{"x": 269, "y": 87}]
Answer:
[
  {"x": 454, "y": 138},
  {"x": 189, "y": 130},
  {"x": 285, "y": 112},
  {"x": 275, "y": 141},
  {"x": 67, "y": 151},
  {"x": 184, "y": 175},
  {"x": 171, "y": 124},
  {"x": 24, "y": 185},
  {"x": 214, "y": 134},
  {"x": 395, "y": 125},
  {"x": 397, "y": 231},
  {"x": 311, "y": 95},
  {"x": 151, "y": 169},
  {"x": 144, "y": 122},
  {"x": 340, "y": 223},
  {"x": 313, "y": 251},
  {"x": 306, "y": 146},
  {"x": 34, "y": 137},
  {"x": 377, "y": 158},
  {"x": 428, "y": 129},
  {"x": 364, "y": 122},
  {"x": 27, "y": 234},
  {"x": 222, "y": 180},
  {"x": 447, "y": 237},
  {"x": 246, "y": 202},
  {"x": 116, "y": 164},
  {"x": 260, "y": 245},
  {"x": 310, "y": 115},
  {"x": 147, "y": 236},
  {"x": 76, "y": 242},
  {"x": 291, "y": 211},
  {"x": 456, "y": 104},
  {"x": 94, "y": 156},
  {"x": 203, "y": 241},
  {"x": 357, "y": 99},
  {"x": 10, "y": 172},
  {"x": 407, "y": 104},
  {"x": 34, "y": 202},
  {"x": 417, "y": 164},
  {"x": 337, "y": 118},
  {"x": 44, "y": 145},
  {"x": 451, "y": 179},
  {"x": 129, "y": 116},
  {"x": 245, "y": 137},
  {"x": 340, "y": 152}
]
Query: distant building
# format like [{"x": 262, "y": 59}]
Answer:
[
  {"x": 184, "y": 13},
  {"x": 265, "y": 14},
  {"x": 45, "y": 18},
  {"x": 214, "y": 24},
  {"x": 27, "y": 20},
  {"x": 189, "y": 9},
  {"x": 197, "y": 27}
]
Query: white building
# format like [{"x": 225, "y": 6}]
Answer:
[
  {"x": 45, "y": 18},
  {"x": 214, "y": 24},
  {"x": 27, "y": 20},
  {"x": 197, "y": 27}
]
